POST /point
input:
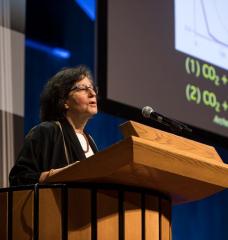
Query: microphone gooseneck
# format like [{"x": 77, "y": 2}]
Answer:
[{"x": 175, "y": 125}]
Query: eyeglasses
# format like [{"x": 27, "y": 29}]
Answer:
[{"x": 85, "y": 88}]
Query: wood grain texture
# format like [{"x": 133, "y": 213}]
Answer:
[
  {"x": 3, "y": 215},
  {"x": 107, "y": 215},
  {"x": 50, "y": 214},
  {"x": 132, "y": 216},
  {"x": 151, "y": 217},
  {"x": 23, "y": 215},
  {"x": 171, "y": 141},
  {"x": 79, "y": 214},
  {"x": 165, "y": 219},
  {"x": 144, "y": 163},
  {"x": 135, "y": 204}
]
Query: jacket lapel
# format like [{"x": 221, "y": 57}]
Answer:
[{"x": 72, "y": 143}]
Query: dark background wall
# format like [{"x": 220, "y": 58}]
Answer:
[{"x": 64, "y": 24}]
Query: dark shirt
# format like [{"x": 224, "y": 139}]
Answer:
[{"x": 43, "y": 150}]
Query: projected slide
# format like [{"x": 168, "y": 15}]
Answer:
[
  {"x": 170, "y": 55},
  {"x": 201, "y": 30}
]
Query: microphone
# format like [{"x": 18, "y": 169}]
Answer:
[{"x": 148, "y": 112}]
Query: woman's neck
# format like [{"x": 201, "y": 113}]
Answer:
[{"x": 77, "y": 123}]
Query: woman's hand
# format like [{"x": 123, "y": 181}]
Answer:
[{"x": 44, "y": 175}]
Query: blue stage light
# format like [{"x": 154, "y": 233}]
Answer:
[
  {"x": 57, "y": 52},
  {"x": 89, "y": 7},
  {"x": 61, "y": 52}
]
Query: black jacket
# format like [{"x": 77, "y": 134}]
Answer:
[{"x": 43, "y": 150}]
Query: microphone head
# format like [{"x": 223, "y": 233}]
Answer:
[{"x": 146, "y": 111}]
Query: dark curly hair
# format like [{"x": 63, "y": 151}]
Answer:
[{"x": 56, "y": 90}]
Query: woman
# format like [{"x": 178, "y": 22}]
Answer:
[{"x": 68, "y": 101}]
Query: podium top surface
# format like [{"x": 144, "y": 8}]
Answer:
[
  {"x": 182, "y": 175},
  {"x": 171, "y": 141}
]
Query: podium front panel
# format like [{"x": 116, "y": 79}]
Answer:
[{"x": 84, "y": 211}]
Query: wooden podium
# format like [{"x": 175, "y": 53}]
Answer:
[{"x": 124, "y": 192}]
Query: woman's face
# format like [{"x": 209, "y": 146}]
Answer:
[{"x": 82, "y": 100}]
